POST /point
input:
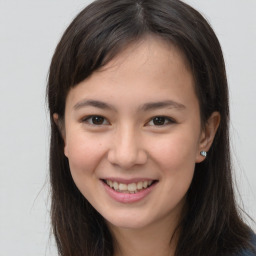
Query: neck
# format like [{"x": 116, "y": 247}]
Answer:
[{"x": 158, "y": 239}]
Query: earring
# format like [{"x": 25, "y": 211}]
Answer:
[{"x": 203, "y": 153}]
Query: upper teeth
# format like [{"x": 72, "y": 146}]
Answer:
[{"x": 132, "y": 187}]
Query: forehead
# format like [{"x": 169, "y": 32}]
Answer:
[
  {"x": 149, "y": 48},
  {"x": 149, "y": 70}
]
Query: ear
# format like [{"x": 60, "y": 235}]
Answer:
[
  {"x": 60, "y": 124},
  {"x": 207, "y": 135}
]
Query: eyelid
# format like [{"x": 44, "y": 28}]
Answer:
[
  {"x": 87, "y": 118},
  {"x": 168, "y": 119}
]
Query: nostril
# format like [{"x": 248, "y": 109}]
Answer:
[{"x": 127, "y": 157}]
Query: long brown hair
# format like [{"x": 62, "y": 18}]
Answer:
[{"x": 212, "y": 225}]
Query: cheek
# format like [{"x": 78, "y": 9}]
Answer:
[
  {"x": 83, "y": 152},
  {"x": 84, "y": 155},
  {"x": 176, "y": 152},
  {"x": 175, "y": 158}
]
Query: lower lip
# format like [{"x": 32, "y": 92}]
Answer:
[{"x": 127, "y": 197}]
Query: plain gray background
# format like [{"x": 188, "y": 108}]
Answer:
[{"x": 29, "y": 32}]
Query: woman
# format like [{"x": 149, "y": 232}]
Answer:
[{"x": 140, "y": 160}]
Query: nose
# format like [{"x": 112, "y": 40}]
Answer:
[{"x": 126, "y": 149}]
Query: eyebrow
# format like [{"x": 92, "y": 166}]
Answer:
[
  {"x": 145, "y": 107},
  {"x": 93, "y": 103},
  {"x": 162, "y": 104}
]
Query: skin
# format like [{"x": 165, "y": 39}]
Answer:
[{"x": 128, "y": 143}]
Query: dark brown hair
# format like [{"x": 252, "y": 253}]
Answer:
[{"x": 212, "y": 225}]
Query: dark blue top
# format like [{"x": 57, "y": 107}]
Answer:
[{"x": 249, "y": 252}]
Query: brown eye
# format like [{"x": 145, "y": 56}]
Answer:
[
  {"x": 160, "y": 120},
  {"x": 96, "y": 120}
]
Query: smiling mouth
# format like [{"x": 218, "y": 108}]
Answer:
[{"x": 130, "y": 188}]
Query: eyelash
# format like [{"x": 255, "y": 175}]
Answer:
[
  {"x": 89, "y": 120},
  {"x": 166, "y": 121},
  {"x": 162, "y": 121}
]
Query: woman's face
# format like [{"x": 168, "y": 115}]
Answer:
[{"x": 133, "y": 135}]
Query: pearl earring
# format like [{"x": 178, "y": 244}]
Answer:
[{"x": 203, "y": 153}]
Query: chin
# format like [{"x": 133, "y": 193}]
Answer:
[
  {"x": 130, "y": 221},
  {"x": 127, "y": 224}
]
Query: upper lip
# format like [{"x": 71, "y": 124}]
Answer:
[{"x": 127, "y": 181}]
